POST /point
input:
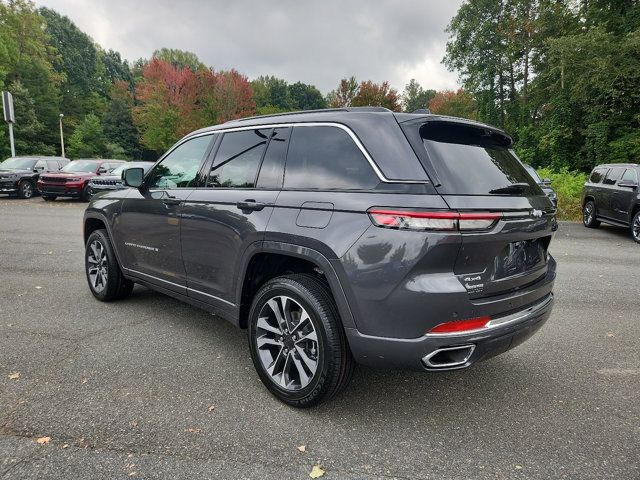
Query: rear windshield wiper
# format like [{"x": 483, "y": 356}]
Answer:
[{"x": 513, "y": 188}]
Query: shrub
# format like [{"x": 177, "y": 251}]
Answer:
[{"x": 568, "y": 185}]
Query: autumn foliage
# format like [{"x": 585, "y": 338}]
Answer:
[
  {"x": 456, "y": 104},
  {"x": 174, "y": 101},
  {"x": 366, "y": 94}
]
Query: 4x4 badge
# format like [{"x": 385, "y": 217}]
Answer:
[{"x": 536, "y": 213}]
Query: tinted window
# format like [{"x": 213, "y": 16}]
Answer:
[
  {"x": 629, "y": 175},
  {"x": 272, "y": 169},
  {"x": 596, "y": 175},
  {"x": 533, "y": 173},
  {"x": 18, "y": 164},
  {"x": 40, "y": 165},
  {"x": 613, "y": 175},
  {"x": 238, "y": 158},
  {"x": 326, "y": 158},
  {"x": 470, "y": 161},
  {"x": 180, "y": 167},
  {"x": 52, "y": 165}
]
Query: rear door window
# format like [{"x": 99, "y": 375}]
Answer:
[
  {"x": 475, "y": 161},
  {"x": 326, "y": 158},
  {"x": 238, "y": 159},
  {"x": 613, "y": 175},
  {"x": 629, "y": 175}
]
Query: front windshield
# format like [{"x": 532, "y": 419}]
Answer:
[
  {"x": 80, "y": 166},
  {"x": 533, "y": 173},
  {"x": 18, "y": 164}
]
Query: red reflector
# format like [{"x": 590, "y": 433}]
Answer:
[{"x": 458, "y": 326}]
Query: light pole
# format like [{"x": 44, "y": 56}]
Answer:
[{"x": 61, "y": 135}]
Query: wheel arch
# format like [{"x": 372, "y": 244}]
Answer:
[
  {"x": 588, "y": 198},
  {"x": 269, "y": 259}
]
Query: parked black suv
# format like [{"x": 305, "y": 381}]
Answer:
[
  {"x": 113, "y": 180},
  {"x": 545, "y": 185},
  {"x": 19, "y": 175},
  {"x": 611, "y": 195},
  {"x": 388, "y": 239}
]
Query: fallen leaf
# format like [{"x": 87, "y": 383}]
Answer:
[
  {"x": 302, "y": 448},
  {"x": 38, "y": 287},
  {"x": 316, "y": 472},
  {"x": 212, "y": 408},
  {"x": 193, "y": 430},
  {"x": 611, "y": 334},
  {"x": 14, "y": 376},
  {"x": 135, "y": 423},
  {"x": 66, "y": 445},
  {"x": 518, "y": 467},
  {"x": 43, "y": 440}
]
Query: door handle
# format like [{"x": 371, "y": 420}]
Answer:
[
  {"x": 250, "y": 205},
  {"x": 171, "y": 201}
]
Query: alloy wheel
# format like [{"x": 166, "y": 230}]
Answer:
[
  {"x": 287, "y": 343},
  {"x": 587, "y": 214},
  {"x": 97, "y": 266},
  {"x": 635, "y": 228},
  {"x": 27, "y": 190}
]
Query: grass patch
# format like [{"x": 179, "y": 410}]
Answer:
[{"x": 568, "y": 185}]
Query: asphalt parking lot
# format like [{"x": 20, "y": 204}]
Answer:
[{"x": 152, "y": 388}]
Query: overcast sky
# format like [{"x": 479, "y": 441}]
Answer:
[{"x": 316, "y": 42}]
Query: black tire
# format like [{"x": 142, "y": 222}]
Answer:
[
  {"x": 25, "y": 189},
  {"x": 589, "y": 213},
  {"x": 114, "y": 286},
  {"x": 635, "y": 227},
  {"x": 48, "y": 198},
  {"x": 334, "y": 362},
  {"x": 85, "y": 196}
]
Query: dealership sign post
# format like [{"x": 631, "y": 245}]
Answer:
[{"x": 9, "y": 117}]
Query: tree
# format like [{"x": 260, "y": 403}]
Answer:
[
  {"x": 28, "y": 129},
  {"x": 271, "y": 95},
  {"x": 78, "y": 66},
  {"x": 26, "y": 56},
  {"x": 377, "y": 95},
  {"x": 179, "y": 59},
  {"x": 118, "y": 121},
  {"x": 345, "y": 93},
  {"x": 456, "y": 104},
  {"x": 306, "y": 97},
  {"x": 88, "y": 140},
  {"x": 415, "y": 97}
]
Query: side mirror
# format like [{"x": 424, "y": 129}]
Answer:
[
  {"x": 627, "y": 184},
  {"x": 546, "y": 181},
  {"x": 133, "y": 177},
  {"x": 102, "y": 170}
]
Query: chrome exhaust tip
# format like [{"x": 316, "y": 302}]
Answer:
[{"x": 449, "y": 357}]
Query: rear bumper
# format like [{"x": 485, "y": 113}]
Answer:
[{"x": 511, "y": 330}]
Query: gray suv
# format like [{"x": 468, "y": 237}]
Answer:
[{"x": 337, "y": 237}]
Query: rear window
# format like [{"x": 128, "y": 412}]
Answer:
[
  {"x": 475, "y": 161},
  {"x": 596, "y": 175}
]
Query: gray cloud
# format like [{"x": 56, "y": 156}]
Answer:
[{"x": 314, "y": 42}]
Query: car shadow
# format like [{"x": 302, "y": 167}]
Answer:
[{"x": 395, "y": 394}]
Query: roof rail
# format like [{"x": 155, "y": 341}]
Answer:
[
  {"x": 423, "y": 111},
  {"x": 321, "y": 110}
]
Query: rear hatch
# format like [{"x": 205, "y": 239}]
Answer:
[{"x": 475, "y": 170}]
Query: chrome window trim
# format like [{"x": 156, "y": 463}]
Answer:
[{"x": 345, "y": 128}]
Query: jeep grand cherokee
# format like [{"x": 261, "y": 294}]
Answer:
[{"x": 335, "y": 237}]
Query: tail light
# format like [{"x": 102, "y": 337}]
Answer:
[
  {"x": 461, "y": 326},
  {"x": 436, "y": 220}
]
